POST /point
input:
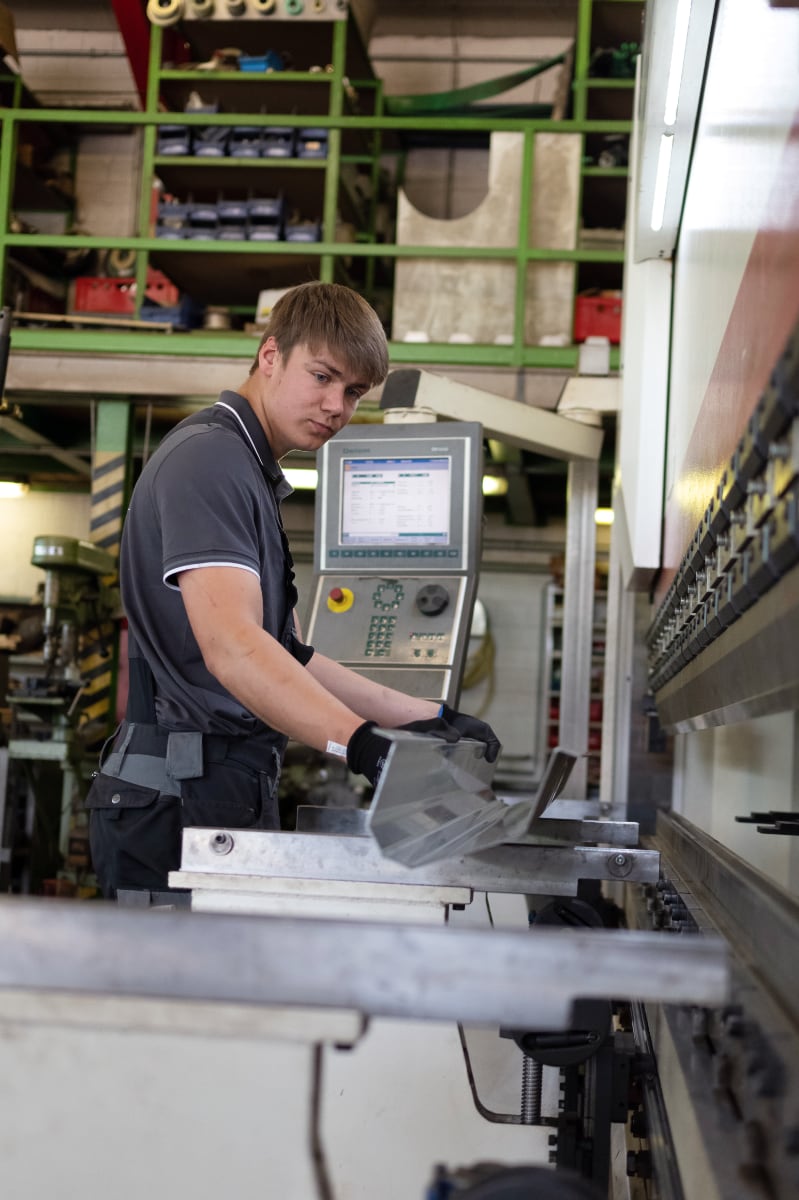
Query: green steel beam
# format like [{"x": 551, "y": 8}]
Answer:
[
  {"x": 523, "y": 243},
  {"x": 266, "y": 77},
  {"x": 582, "y": 56},
  {"x": 415, "y": 124},
  {"x": 313, "y": 249},
  {"x": 202, "y": 344},
  {"x": 8, "y": 134},
  {"x": 332, "y": 163}
]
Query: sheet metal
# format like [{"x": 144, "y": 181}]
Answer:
[
  {"x": 492, "y": 977},
  {"x": 433, "y": 800}
]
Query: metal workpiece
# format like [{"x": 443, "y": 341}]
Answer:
[
  {"x": 434, "y": 801},
  {"x": 513, "y": 869},
  {"x": 516, "y": 978}
]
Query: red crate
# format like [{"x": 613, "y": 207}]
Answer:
[
  {"x": 597, "y": 314},
  {"x": 117, "y": 297}
]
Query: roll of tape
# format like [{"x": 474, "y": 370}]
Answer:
[
  {"x": 120, "y": 263},
  {"x": 294, "y": 7},
  {"x": 264, "y": 8},
  {"x": 236, "y": 8},
  {"x": 164, "y": 12},
  {"x": 200, "y": 9}
]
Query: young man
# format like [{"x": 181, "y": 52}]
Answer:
[{"x": 219, "y": 679}]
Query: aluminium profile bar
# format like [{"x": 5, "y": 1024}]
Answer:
[{"x": 511, "y": 978}]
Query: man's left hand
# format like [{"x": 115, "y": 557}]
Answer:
[{"x": 473, "y": 727}]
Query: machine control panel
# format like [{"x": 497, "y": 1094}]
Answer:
[{"x": 397, "y": 548}]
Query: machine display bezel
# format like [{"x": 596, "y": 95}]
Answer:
[{"x": 457, "y": 446}]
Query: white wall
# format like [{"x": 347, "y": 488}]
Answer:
[{"x": 56, "y": 513}]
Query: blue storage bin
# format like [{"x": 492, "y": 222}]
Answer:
[
  {"x": 312, "y": 143},
  {"x": 172, "y": 220},
  {"x": 271, "y": 61},
  {"x": 244, "y": 142},
  {"x": 304, "y": 231},
  {"x": 210, "y": 142},
  {"x": 277, "y": 142},
  {"x": 203, "y": 221},
  {"x": 232, "y": 215},
  {"x": 173, "y": 139}
]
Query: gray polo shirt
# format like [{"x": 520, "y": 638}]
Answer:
[{"x": 209, "y": 496}]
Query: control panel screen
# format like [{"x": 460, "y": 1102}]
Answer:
[{"x": 396, "y": 501}]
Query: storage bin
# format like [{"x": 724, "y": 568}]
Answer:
[
  {"x": 277, "y": 142},
  {"x": 598, "y": 314},
  {"x": 117, "y": 297},
  {"x": 210, "y": 142},
  {"x": 244, "y": 142},
  {"x": 304, "y": 231},
  {"x": 173, "y": 139},
  {"x": 312, "y": 143},
  {"x": 265, "y": 219}
]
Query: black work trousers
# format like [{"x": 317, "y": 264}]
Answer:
[{"x": 138, "y": 812}]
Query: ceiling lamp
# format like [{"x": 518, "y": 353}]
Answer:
[
  {"x": 669, "y": 91},
  {"x": 12, "y": 487}
]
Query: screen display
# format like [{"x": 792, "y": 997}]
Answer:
[{"x": 396, "y": 501}]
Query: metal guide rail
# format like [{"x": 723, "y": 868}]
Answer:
[
  {"x": 744, "y": 548},
  {"x": 729, "y": 1074},
  {"x": 496, "y": 977},
  {"x": 515, "y": 869}
]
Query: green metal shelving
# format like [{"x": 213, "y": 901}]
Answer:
[{"x": 323, "y": 259}]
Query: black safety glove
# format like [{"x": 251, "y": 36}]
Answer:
[
  {"x": 472, "y": 727},
  {"x": 367, "y": 751}
]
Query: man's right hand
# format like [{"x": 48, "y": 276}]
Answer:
[{"x": 367, "y": 751}]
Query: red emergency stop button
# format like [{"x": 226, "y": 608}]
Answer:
[{"x": 339, "y": 599}]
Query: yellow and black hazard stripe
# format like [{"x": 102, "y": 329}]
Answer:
[{"x": 98, "y": 657}]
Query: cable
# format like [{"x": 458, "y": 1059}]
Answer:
[{"x": 480, "y": 667}]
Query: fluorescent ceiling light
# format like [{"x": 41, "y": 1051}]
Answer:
[
  {"x": 12, "y": 489},
  {"x": 661, "y": 182},
  {"x": 603, "y": 516},
  {"x": 495, "y": 485},
  {"x": 679, "y": 44},
  {"x": 669, "y": 85},
  {"x": 302, "y": 478}
]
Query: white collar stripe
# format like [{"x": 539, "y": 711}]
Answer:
[{"x": 222, "y": 404}]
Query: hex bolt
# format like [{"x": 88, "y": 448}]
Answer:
[
  {"x": 620, "y": 865},
  {"x": 221, "y": 842}
]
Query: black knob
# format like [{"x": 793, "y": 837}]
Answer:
[{"x": 432, "y": 599}]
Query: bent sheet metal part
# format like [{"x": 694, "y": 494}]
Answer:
[{"x": 434, "y": 801}]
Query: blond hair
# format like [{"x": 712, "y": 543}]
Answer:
[{"x": 333, "y": 317}]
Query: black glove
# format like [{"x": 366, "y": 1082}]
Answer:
[
  {"x": 472, "y": 727},
  {"x": 367, "y": 751}
]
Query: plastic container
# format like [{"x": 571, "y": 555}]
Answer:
[
  {"x": 244, "y": 142},
  {"x": 312, "y": 143},
  {"x": 210, "y": 142},
  {"x": 173, "y": 139},
  {"x": 277, "y": 142},
  {"x": 598, "y": 314}
]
